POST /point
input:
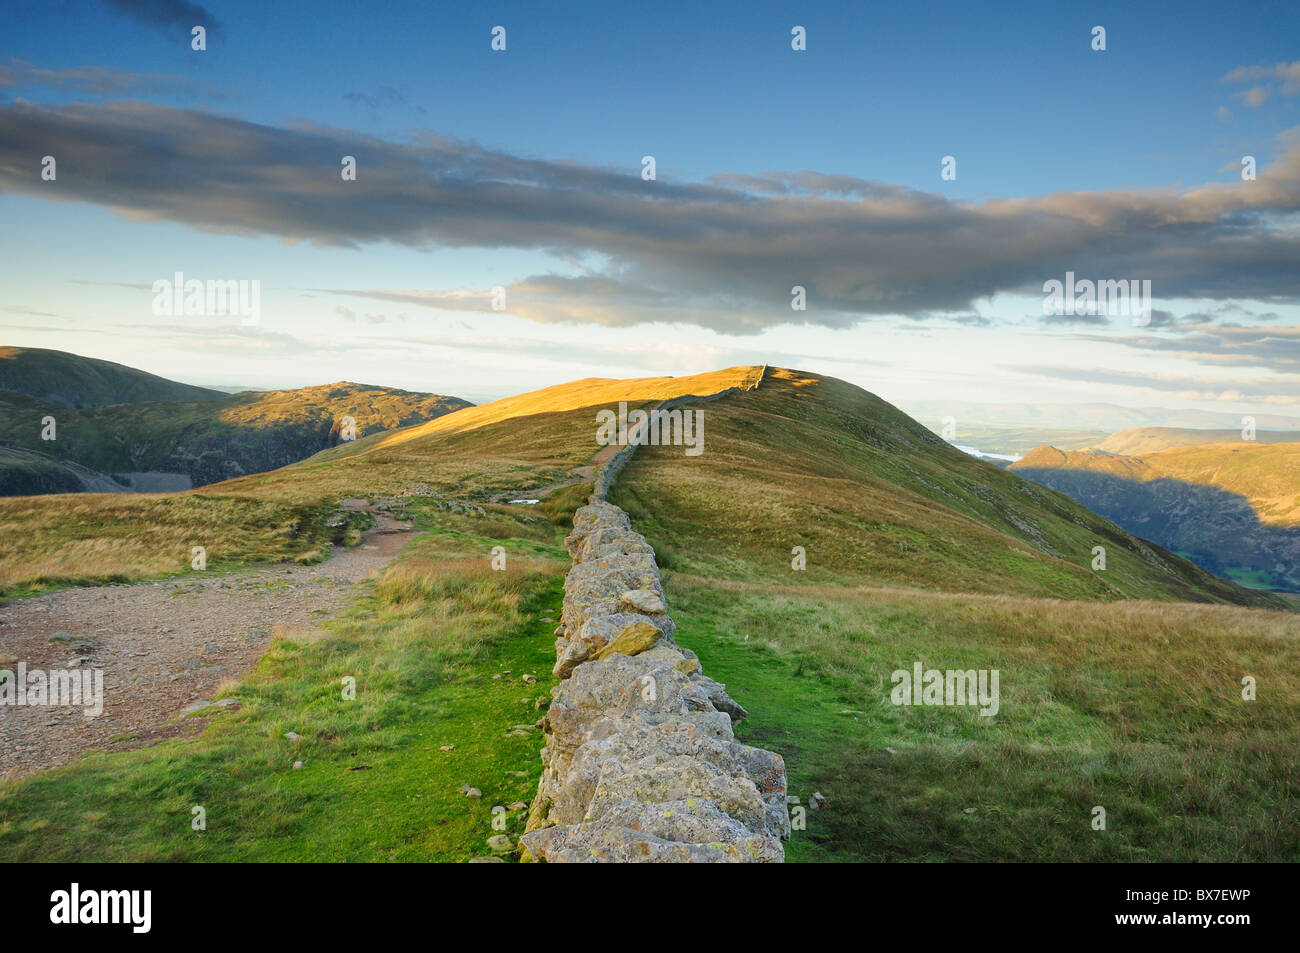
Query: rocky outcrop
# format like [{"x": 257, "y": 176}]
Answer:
[{"x": 641, "y": 763}]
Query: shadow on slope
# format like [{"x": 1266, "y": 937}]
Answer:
[{"x": 1217, "y": 529}]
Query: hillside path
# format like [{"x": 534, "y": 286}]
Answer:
[{"x": 163, "y": 646}]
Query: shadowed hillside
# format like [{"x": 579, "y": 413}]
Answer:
[
  {"x": 130, "y": 444},
  {"x": 1268, "y": 475},
  {"x": 1233, "y": 508},
  {"x": 69, "y": 380}
]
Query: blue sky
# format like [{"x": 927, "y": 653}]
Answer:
[{"x": 606, "y": 281}]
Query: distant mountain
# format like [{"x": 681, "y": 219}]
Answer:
[
  {"x": 1016, "y": 441},
  {"x": 1094, "y": 416},
  {"x": 1233, "y": 508},
  {"x": 1152, "y": 439},
  {"x": 152, "y": 445},
  {"x": 69, "y": 380}
]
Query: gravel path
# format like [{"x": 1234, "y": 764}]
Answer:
[{"x": 164, "y": 646}]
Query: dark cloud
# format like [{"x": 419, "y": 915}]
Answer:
[
  {"x": 1284, "y": 391},
  {"x": 97, "y": 80},
  {"x": 386, "y": 97},
  {"x": 1272, "y": 348},
  {"x": 723, "y": 254},
  {"x": 166, "y": 14},
  {"x": 1055, "y": 319}
]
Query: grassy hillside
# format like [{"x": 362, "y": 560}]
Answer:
[
  {"x": 99, "y": 537},
  {"x": 1144, "y": 440},
  {"x": 69, "y": 380},
  {"x": 213, "y": 439},
  {"x": 918, "y": 553},
  {"x": 1133, "y": 706},
  {"x": 874, "y": 497},
  {"x": 518, "y": 444}
]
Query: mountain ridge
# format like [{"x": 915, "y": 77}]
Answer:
[{"x": 73, "y": 381}]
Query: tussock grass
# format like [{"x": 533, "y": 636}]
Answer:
[
  {"x": 1134, "y": 706},
  {"x": 94, "y": 538},
  {"x": 561, "y": 504}
]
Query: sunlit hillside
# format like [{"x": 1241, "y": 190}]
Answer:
[
  {"x": 1265, "y": 474},
  {"x": 1144, "y": 440},
  {"x": 872, "y": 496}
]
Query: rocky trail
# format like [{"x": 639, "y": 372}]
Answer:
[
  {"x": 165, "y": 647},
  {"x": 577, "y": 475}
]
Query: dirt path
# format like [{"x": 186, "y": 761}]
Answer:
[{"x": 164, "y": 646}]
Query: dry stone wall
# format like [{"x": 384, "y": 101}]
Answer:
[
  {"x": 630, "y": 441},
  {"x": 641, "y": 763}
]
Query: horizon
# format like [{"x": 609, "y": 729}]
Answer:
[{"x": 1016, "y": 414}]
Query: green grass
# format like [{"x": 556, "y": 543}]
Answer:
[
  {"x": 1134, "y": 706},
  {"x": 561, "y": 505},
  {"x": 1251, "y": 578},
  {"x": 423, "y": 645}
]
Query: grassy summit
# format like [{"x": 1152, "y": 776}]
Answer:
[{"x": 874, "y": 497}]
